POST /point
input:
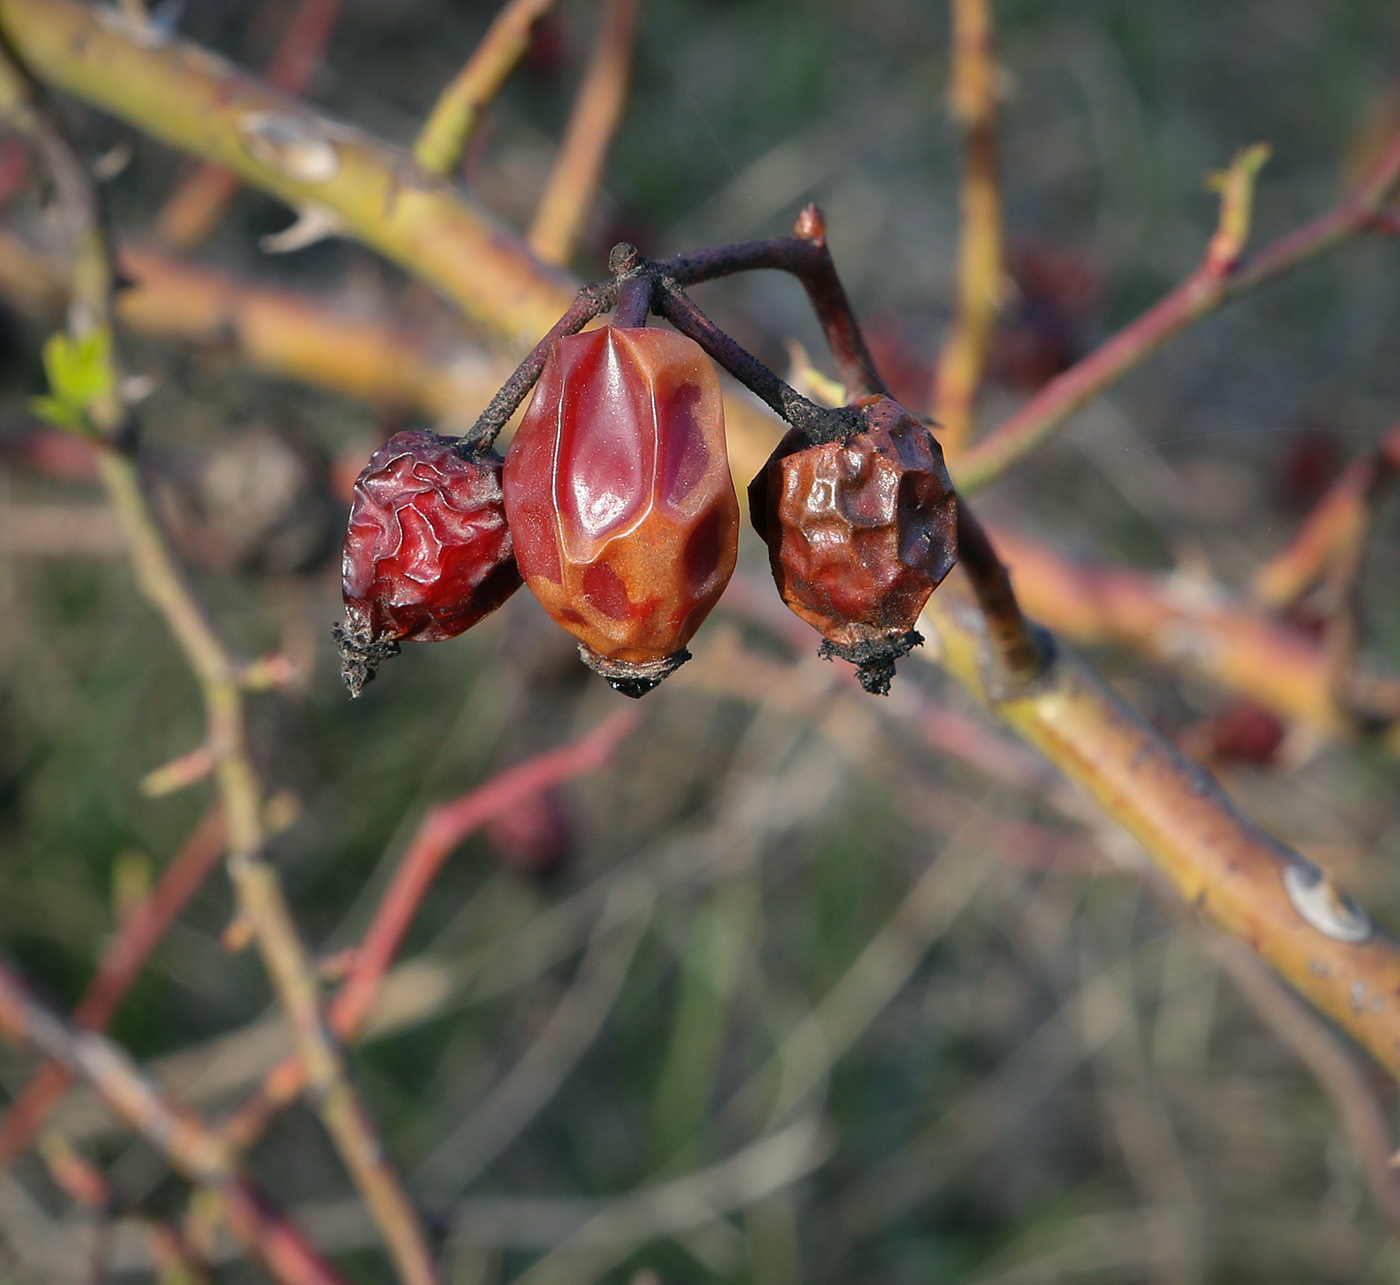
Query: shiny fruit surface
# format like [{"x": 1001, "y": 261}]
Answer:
[
  {"x": 618, "y": 494},
  {"x": 859, "y": 531},
  {"x": 427, "y": 552}
]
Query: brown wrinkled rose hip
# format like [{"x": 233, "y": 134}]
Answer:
[
  {"x": 427, "y": 551},
  {"x": 859, "y": 531},
  {"x": 619, "y": 497}
]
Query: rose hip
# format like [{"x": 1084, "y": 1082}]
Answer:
[
  {"x": 427, "y": 551},
  {"x": 859, "y": 531},
  {"x": 619, "y": 497}
]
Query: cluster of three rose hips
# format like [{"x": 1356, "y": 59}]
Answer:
[{"x": 615, "y": 505}]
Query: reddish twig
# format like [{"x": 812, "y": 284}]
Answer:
[
  {"x": 439, "y": 834},
  {"x": 444, "y": 827},
  {"x": 1017, "y": 655},
  {"x": 180, "y": 773},
  {"x": 578, "y": 169},
  {"x": 178, "y": 1133},
  {"x": 1334, "y": 530},
  {"x": 87, "y": 1186},
  {"x": 192, "y": 210},
  {"x": 119, "y": 967},
  {"x": 1192, "y": 628},
  {"x": 1222, "y": 276}
]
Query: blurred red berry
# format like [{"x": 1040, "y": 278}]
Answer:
[
  {"x": 619, "y": 497},
  {"x": 1309, "y": 461},
  {"x": 859, "y": 531},
  {"x": 427, "y": 551},
  {"x": 900, "y": 351},
  {"x": 1041, "y": 333},
  {"x": 49, "y": 452},
  {"x": 548, "y": 50},
  {"x": 1243, "y": 732},
  {"x": 534, "y": 836}
]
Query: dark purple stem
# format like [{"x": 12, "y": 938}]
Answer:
[
  {"x": 806, "y": 257},
  {"x": 817, "y": 423},
  {"x": 1020, "y": 655},
  {"x": 635, "y": 297},
  {"x": 590, "y": 302}
]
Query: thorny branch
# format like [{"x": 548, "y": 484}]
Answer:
[
  {"x": 441, "y": 832},
  {"x": 1198, "y": 629},
  {"x": 256, "y": 883},
  {"x": 198, "y": 1153},
  {"x": 121, "y": 963},
  {"x": 267, "y": 328},
  {"x": 177, "y": 92},
  {"x": 1224, "y": 865},
  {"x": 193, "y": 209}
]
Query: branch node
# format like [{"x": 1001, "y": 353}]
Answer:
[
  {"x": 623, "y": 258},
  {"x": 811, "y": 225},
  {"x": 1236, "y": 188}
]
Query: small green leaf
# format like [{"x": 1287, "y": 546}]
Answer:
[
  {"x": 79, "y": 372},
  {"x": 56, "y": 412}
]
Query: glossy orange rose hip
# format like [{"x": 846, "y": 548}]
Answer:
[{"x": 619, "y": 499}]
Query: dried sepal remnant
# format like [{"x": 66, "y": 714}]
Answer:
[
  {"x": 427, "y": 551},
  {"x": 619, "y": 497},
  {"x": 859, "y": 531}
]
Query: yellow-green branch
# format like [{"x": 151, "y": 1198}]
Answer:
[{"x": 187, "y": 97}]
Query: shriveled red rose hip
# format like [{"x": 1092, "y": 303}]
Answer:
[
  {"x": 427, "y": 551},
  {"x": 859, "y": 531},
  {"x": 619, "y": 497}
]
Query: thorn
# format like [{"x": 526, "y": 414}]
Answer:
[
  {"x": 281, "y": 812},
  {"x": 239, "y": 934},
  {"x": 268, "y": 673},
  {"x": 313, "y": 223},
  {"x": 136, "y": 388},
  {"x": 112, "y": 162},
  {"x": 184, "y": 771}
]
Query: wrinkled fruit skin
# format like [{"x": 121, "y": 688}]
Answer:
[
  {"x": 619, "y": 498},
  {"x": 859, "y": 531},
  {"x": 427, "y": 552}
]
